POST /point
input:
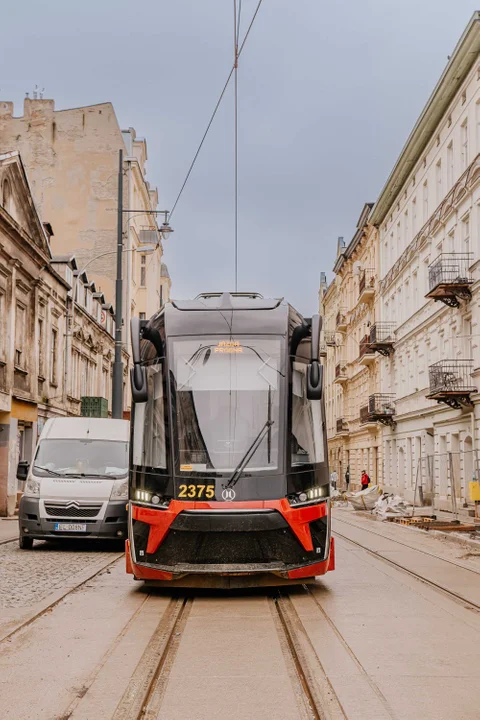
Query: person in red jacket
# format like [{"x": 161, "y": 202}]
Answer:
[{"x": 365, "y": 480}]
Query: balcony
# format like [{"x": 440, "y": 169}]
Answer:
[
  {"x": 341, "y": 321},
  {"x": 340, "y": 374},
  {"x": 380, "y": 408},
  {"x": 382, "y": 338},
  {"x": 366, "y": 287},
  {"x": 367, "y": 355},
  {"x": 449, "y": 278},
  {"x": 451, "y": 382},
  {"x": 330, "y": 338},
  {"x": 342, "y": 426},
  {"x": 366, "y": 421}
]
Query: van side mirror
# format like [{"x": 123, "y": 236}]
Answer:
[
  {"x": 22, "y": 470},
  {"x": 315, "y": 369},
  {"x": 138, "y": 376}
]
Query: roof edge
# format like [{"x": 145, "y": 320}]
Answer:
[{"x": 455, "y": 72}]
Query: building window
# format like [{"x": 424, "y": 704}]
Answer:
[
  {"x": 450, "y": 165},
  {"x": 425, "y": 201},
  {"x": 466, "y": 234},
  {"x": 414, "y": 217},
  {"x": 53, "y": 356},
  {"x": 143, "y": 270},
  {"x": 406, "y": 229},
  {"x": 41, "y": 342},
  {"x": 438, "y": 181},
  {"x": 19, "y": 335},
  {"x": 2, "y": 324},
  {"x": 464, "y": 132},
  {"x": 415, "y": 291}
]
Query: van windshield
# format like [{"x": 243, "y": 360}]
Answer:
[{"x": 81, "y": 458}]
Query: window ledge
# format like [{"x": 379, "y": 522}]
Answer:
[{"x": 20, "y": 371}]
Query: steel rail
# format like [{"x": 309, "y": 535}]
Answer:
[
  {"x": 321, "y": 704},
  {"x": 143, "y": 695},
  {"x": 410, "y": 547},
  {"x": 414, "y": 574}
]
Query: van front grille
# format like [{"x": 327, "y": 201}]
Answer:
[{"x": 71, "y": 510}]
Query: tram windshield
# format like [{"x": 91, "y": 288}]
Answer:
[{"x": 227, "y": 401}]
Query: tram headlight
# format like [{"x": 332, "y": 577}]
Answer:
[
  {"x": 308, "y": 497},
  {"x": 119, "y": 489},
  {"x": 316, "y": 493},
  {"x": 142, "y": 496},
  {"x": 155, "y": 500}
]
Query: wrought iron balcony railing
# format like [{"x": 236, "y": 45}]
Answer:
[
  {"x": 449, "y": 278},
  {"x": 342, "y": 425},
  {"x": 330, "y": 338},
  {"x": 366, "y": 285},
  {"x": 380, "y": 408},
  {"x": 340, "y": 372},
  {"x": 341, "y": 320},
  {"x": 382, "y": 337},
  {"x": 451, "y": 382}
]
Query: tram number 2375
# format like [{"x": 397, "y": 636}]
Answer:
[{"x": 196, "y": 492}]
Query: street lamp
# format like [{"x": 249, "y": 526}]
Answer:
[{"x": 145, "y": 249}]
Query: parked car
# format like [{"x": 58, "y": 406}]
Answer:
[{"x": 77, "y": 484}]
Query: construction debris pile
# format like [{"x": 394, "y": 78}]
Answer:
[{"x": 363, "y": 499}]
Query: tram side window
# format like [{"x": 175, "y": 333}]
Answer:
[
  {"x": 149, "y": 449},
  {"x": 307, "y": 427}
]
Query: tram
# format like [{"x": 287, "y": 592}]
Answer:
[{"x": 229, "y": 481}]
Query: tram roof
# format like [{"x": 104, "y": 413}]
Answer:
[{"x": 216, "y": 313}]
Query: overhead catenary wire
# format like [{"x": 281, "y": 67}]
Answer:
[
  {"x": 214, "y": 111},
  {"x": 236, "y": 28}
]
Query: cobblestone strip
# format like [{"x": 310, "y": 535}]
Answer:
[{"x": 28, "y": 576}]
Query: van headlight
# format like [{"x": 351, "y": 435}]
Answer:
[
  {"x": 120, "y": 489},
  {"x": 32, "y": 487}
]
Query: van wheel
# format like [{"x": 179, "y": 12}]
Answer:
[{"x": 25, "y": 542}]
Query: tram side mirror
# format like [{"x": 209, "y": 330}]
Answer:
[
  {"x": 315, "y": 369},
  {"x": 22, "y": 470},
  {"x": 138, "y": 376}
]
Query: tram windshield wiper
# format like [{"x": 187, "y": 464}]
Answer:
[{"x": 235, "y": 476}]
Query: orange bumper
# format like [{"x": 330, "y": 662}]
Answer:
[{"x": 298, "y": 519}]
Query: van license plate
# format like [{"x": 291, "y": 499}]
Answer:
[{"x": 71, "y": 527}]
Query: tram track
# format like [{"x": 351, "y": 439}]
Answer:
[
  {"x": 312, "y": 684},
  {"x": 410, "y": 547},
  {"x": 450, "y": 593},
  {"x": 144, "y": 693}
]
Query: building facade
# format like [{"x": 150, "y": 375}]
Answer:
[
  {"x": 41, "y": 374},
  {"x": 428, "y": 218},
  {"x": 350, "y": 309},
  {"x": 72, "y": 161}
]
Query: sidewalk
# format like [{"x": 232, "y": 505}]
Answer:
[{"x": 8, "y": 529}]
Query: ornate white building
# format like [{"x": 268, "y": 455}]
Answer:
[{"x": 428, "y": 217}]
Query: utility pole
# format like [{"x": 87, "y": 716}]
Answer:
[{"x": 117, "y": 384}]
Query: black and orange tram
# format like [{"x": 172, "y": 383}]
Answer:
[{"x": 229, "y": 481}]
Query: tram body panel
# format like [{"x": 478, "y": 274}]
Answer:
[{"x": 229, "y": 471}]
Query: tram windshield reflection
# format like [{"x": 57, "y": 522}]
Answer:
[{"x": 225, "y": 392}]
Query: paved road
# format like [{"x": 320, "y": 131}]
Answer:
[{"x": 376, "y": 641}]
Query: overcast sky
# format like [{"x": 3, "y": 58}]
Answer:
[{"x": 328, "y": 93}]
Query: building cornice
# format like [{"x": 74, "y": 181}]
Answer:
[{"x": 457, "y": 69}]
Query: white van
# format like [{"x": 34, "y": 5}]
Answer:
[{"x": 77, "y": 485}]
